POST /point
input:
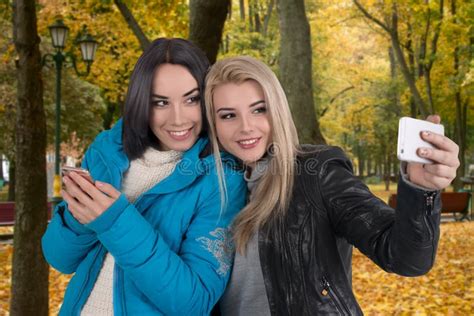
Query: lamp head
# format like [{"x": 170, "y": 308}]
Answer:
[{"x": 59, "y": 32}]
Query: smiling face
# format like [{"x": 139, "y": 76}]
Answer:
[
  {"x": 175, "y": 116},
  {"x": 242, "y": 122}
]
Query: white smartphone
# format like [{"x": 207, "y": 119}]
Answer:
[{"x": 409, "y": 138}]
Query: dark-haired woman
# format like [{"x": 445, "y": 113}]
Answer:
[{"x": 150, "y": 235}]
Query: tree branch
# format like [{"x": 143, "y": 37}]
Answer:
[
  {"x": 434, "y": 42},
  {"x": 343, "y": 20},
  {"x": 371, "y": 17},
  {"x": 133, "y": 24},
  {"x": 403, "y": 65},
  {"x": 340, "y": 93},
  {"x": 375, "y": 29},
  {"x": 266, "y": 19},
  {"x": 427, "y": 30}
]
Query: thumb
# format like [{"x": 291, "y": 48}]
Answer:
[
  {"x": 434, "y": 118},
  {"x": 107, "y": 189}
]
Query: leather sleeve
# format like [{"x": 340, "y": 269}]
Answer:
[{"x": 403, "y": 241}]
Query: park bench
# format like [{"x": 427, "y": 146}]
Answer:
[
  {"x": 455, "y": 203},
  {"x": 7, "y": 213}
]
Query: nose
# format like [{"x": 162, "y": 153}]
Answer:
[
  {"x": 176, "y": 117},
  {"x": 246, "y": 125}
]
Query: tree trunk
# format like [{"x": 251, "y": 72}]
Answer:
[
  {"x": 11, "y": 180},
  {"x": 378, "y": 169},
  {"x": 361, "y": 160},
  {"x": 258, "y": 24},
  {"x": 395, "y": 165},
  {"x": 393, "y": 94},
  {"x": 429, "y": 91},
  {"x": 460, "y": 113},
  {"x": 242, "y": 9},
  {"x": 108, "y": 116},
  {"x": 392, "y": 30},
  {"x": 133, "y": 24},
  {"x": 457, "y": 184},
  {"x": 268, "y": 15},
  {"x": 206, "y": 23},
  {"x": 369, "y": 166},
  {"x": 411, "y": 63},
  {"x": 1, "y": 167},
  {"x": 386, "y": 170},
  {"x": 429, "y": 64},
  {"x": 296, "y": 62},
  {"x": 29, "y": 291},
  {"x": 408, "y": 76},
  {"x": 250, "y": 16}
]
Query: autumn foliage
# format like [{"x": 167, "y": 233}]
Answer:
[{"x": 448, "y": 289}]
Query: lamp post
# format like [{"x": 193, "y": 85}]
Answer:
[{"x": 88, "y": 45}]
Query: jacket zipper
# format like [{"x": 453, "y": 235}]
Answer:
[
  {"x": 328, "y": 289},
  {"x": 86, "y": 280},
  {"x": 429, "y": 202}
]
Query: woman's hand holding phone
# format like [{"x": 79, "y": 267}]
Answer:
[
  {"x": 86, "y": 200},
  {"x": 444, "y": 155}
]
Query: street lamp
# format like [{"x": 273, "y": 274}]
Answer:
[{"x": 88, "y": 45}]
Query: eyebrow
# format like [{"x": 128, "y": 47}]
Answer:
[
  {"x": 251, "y": 105},
  {"x": 184, "y": 95}
]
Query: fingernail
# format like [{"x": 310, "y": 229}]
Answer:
[
  {"x": 426, "y": 134},
  {"x": 423, "y": 152},
  {"x": 99, "y": 184},
  {"x": 65, "y": 179}
]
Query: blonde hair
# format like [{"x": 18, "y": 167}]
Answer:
[{"x": 273, "y": 192}]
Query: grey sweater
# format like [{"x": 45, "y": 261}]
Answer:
[{"x": 245, "y": 295}]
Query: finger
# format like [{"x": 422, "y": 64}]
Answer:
[
  {"x": 107, "y": 189},
  {"x": 75, "y": 191},
  {"x": 439, "y": 170},
  {"x": 76, "y": 209},
  {"x": 434, "y": 118},
  {"x": 439, "y": 156},
  {"x": 440, "y": 141},
  {"x": 86, "y": 186},
  {"x": 436, "y": 182}
]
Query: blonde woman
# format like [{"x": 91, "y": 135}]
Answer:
[{"x": 306, "y": 210}]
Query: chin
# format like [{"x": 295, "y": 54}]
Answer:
[
  {"x": 182, "y": 147},
  {"x": 249, "y": 160},
  {"x": 177, "y": 146}
]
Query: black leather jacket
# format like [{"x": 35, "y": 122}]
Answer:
[{"x": 306, "y": 256}]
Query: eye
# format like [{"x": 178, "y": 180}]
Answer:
[
  {"x": 227, "y": 116},
  {"x": 259, "y": 110},
  {"x": 194, "y": 99},
  {"x": 159, "y": 103}
]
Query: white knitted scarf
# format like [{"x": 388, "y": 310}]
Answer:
[{"x": 143, "y": 174}]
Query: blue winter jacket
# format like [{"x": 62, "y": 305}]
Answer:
[{"x": 172, "y": 248}]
